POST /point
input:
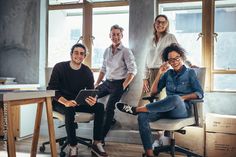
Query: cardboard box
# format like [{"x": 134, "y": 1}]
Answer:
[
  {"x": 221, "y": 123},
  {"x": 220, "y": 145},
  {"x": 192, "y": 140}
]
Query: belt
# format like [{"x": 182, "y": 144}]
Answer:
[{"x": 113, "y": 80}]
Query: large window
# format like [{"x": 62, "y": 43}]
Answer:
[
  {"x": 186, "y": 24},
  {"x": 65, "y": 29},
  {"x": 103, "y": 19},
  {"x": 224, "y": 74}
]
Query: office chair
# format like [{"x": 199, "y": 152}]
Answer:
[
  {"x": 170, "y": 126},
  {"x": 80, "y": 117}
]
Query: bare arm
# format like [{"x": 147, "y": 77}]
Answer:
[
  {"x": 100, "y": 78},
  {"x": 163, "y": 68},
  {"x": 189, "y": 96},
  {"x": 67, "y": 103}
]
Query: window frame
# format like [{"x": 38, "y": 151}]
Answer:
[{"x": 87, "y": 21}]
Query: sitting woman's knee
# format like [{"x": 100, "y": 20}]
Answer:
[{"x": 142, "y": 116}]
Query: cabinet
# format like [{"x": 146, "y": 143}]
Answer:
[{"x": 24, "y": 115}]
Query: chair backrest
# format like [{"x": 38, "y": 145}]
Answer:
[{"x": 198, "y": 109}]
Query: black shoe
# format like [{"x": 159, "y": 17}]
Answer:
[
  {"x": 98, "y": 150},
  {"x": 126, "y": 108},
  {"x": 103, "y": 143}
]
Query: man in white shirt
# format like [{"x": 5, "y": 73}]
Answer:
[{"x": 119, "y": 69}]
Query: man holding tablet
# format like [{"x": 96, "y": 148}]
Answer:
[{"x": 68, "y": 79}]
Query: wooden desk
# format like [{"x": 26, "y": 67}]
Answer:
[{"x": 11, "y": 99}]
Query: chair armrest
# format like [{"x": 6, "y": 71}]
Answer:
[
  {"x": 150, "y": 98},
  {"x": 194, "y": 102}
]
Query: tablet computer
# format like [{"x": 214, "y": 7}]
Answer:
[{"x": 83, "y": 94}]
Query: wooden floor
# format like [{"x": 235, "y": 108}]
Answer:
[{"x": 113, "y": 149}]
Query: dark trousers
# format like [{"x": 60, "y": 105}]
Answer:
[
  {"x": 115, "y": 89},
  {"x": 69, "y": 112}
]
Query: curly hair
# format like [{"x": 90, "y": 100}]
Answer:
[{"x": 173, "y": 47}]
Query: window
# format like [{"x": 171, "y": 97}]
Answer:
[
  {"x": 224, "y": 74},
  {"x": 65, "y": 29},
  {"x": 101, "y": 30},
  {"x": 186, "y": 24}
]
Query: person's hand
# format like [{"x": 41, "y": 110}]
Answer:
[
  {"x": 96, "y": 85},
  {"x": 164, "y": 67},
  {"x": 146, "y": 87},
  {"x": 125, "y": 85},
  {"x": 91, "y": 100},
  {"x": 70, "y": 103}
]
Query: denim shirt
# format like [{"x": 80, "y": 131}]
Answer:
[{"x": 181, "y": 83}]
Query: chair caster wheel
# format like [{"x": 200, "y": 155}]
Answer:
[
  {"x": 42, "y": 149},
  {"x": 62, "y": 154}
]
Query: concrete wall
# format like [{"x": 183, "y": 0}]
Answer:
[{"x": 19, "y": 40}]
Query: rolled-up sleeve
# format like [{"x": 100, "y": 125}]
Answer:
[
  {"x": 196, "y": 85},
  {"x": 103, "y": 68},
  {"x": 130, "y": 62}
]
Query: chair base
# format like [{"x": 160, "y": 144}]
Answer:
[
  {"x": 172, "y": 148},
  {"x": 63, "y": 143}
]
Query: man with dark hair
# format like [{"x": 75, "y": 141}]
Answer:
[
  {"x": 119, "y": 68},
  {"x": 68, "y": 78}
]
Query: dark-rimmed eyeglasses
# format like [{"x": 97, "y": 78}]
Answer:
[
  {"x": 172, "y": 60},
  {"x": 158, "y": 22}
]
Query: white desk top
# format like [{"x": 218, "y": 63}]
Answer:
[{"x": 20, "y": 95}]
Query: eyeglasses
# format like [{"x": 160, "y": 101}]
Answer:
[
  {"x": 158, "y": 22},
  {"x": 172, "y": 60}
]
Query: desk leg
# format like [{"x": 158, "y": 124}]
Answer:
[
  {"x": 36, "y": 129},
  {"x": 51, "y": 127},
  {"x": 11, "y": 148}
]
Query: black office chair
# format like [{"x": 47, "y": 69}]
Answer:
[
  {"x": 170, "y": 126},
  {"x": 80, "y": 117}
]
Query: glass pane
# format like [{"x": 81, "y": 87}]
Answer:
[
  {"x": 65, "y": 29},
  {"x": 224, "y": 82},
  {"x": 101, "y": 30},
  {"x": 224, "y": 50},
  {"x": 186, "y": 24},
  {"x": 54, "y": 2}
]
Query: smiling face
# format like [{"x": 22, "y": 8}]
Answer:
[
  {"x": 116, "y": 36},
  {"x": 78, "y": 55},
  {"x": 161, "y": 24},
  {"x": 175, "y": 60}
]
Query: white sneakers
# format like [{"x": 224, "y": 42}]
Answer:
[{"x": 73, "y": 151}]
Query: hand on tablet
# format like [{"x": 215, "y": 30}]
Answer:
[
  {"x": 91, "y": 100},
  {"x": 70, "y": 103}
]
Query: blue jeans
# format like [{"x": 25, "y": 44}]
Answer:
[{"x": 171, "y": 107}]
